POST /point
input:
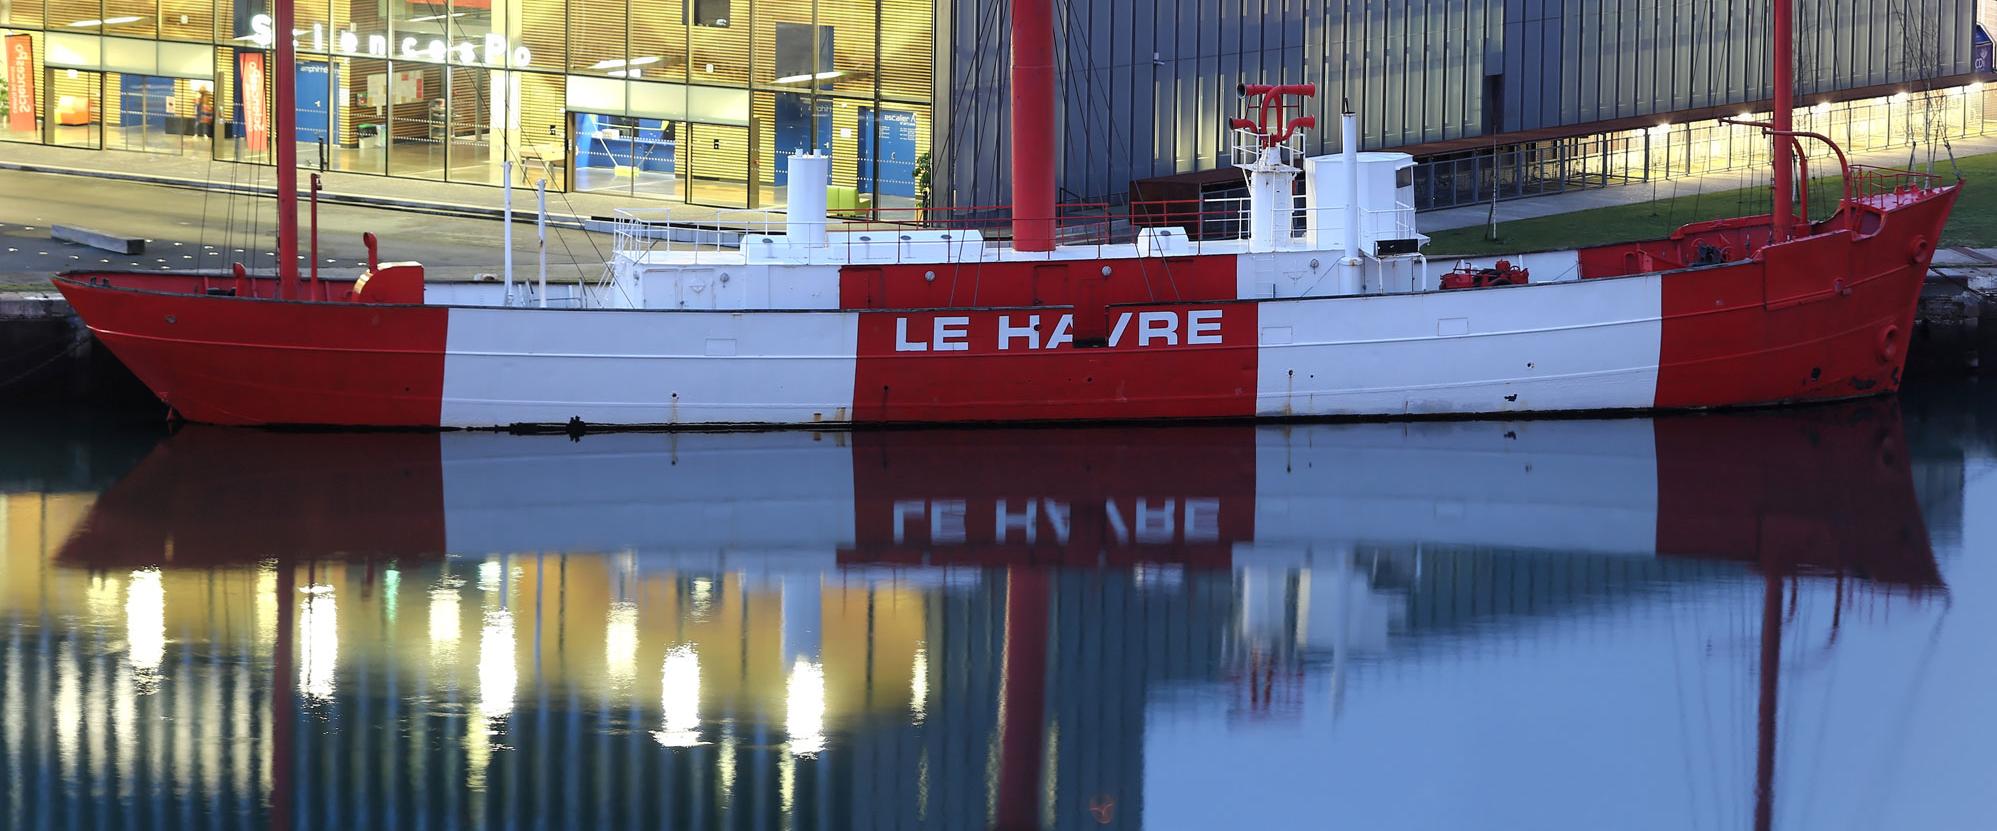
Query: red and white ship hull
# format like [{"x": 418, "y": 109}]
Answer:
[{"x": 1820, "y": 317}]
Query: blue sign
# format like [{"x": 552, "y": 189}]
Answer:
[
  {"x": 795, "y": 129},
  {"x": 893, "y": 133}
]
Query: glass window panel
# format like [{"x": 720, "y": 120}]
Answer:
[
  {"x": 468, "y": 21},
  {"x": 64, "y": 14},
  {"x": 907, "y": 48},
  {"x": 21, "y": 13},
  {"x": 152, "y": 114},
  {"x": 894, "y": 138},
  {"x": 596, "y": 35},
  {"x": 317, "y": 87},
  {"x": 717, "y": 165},
  {"x": 658, "y": 40},
  {"x": 312, "y": 21},
  {"x": 718, "y": 43},
  {"x": 190, "y": 20},
  {"x": 131, "y": 18},
  {"x": 541, "y": 26},
  {"x": 542, "y": 146},
  {"x": 361, "y": 137},
  {"x": 472, "y": 155},
  {"x": 78, "y": 111},
  {"x": 853, "y": 53},
  {"x": 418, "y": 119}
]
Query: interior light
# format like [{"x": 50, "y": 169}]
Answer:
[
  {"x": 1900, "y": 97},
  {"x": 817, "y": 76},
  {"x": 616, "y": 63},
  {"x": 109, "y": 21}
]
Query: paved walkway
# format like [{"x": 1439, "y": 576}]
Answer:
[
  {"x": 577, "y": 208},
  {"x": 482, "y": 201},
  {"x": 1574, "y": 201}
]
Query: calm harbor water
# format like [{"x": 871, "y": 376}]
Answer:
[{"x": 1763, "y": 620}]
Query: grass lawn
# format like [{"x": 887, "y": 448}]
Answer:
[{"x": 1973, "y": 223}]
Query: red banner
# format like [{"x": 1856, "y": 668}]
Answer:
[
  {"x": 256, "y": 113},
  {"x": 21, "y": 83}
]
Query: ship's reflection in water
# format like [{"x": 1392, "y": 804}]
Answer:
[{"x": 1742, "y": 620}]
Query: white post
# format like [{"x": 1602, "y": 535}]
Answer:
[
  {"x": 1269, "y": 201},
  {"x": 804, "y": 223},
  {"x": 541, "y": 232},
  {"x": 1351, "y": 273},
  {"x": 506, "y": 172}
]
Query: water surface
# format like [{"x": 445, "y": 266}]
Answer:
[{"x": 1756, "y": 620}]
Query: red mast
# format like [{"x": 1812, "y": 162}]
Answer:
[
  {"x": 284, "y": 130},
  {"x": 1032, "y": 125},
  {"x": 1784, "y": 55}
]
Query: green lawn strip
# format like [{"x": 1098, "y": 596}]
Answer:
[{"x": 1973, "y": 223}]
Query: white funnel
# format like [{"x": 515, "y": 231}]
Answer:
[{"x": 810, "y": 175}]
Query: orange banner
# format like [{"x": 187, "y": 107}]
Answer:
[
  {"x": 21, "y": 83},
  {"x": 256, "y": 112}
]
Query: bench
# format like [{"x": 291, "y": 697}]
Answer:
[{"x": 114, "y": 243}]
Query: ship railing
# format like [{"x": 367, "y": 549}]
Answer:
[
  {"x": 1869, "y": 181},
  {"x": 1226, "y": 220},
  {"x": 881, "y": 234}
]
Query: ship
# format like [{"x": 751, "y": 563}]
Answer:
[{"x": 1283, "y": 305}]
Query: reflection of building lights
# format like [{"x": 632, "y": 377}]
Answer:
[
  {"x": 497, "y": 676},
  {"x": 918, "y": 685},
  {"x": 804, "y": 701},
  {"x": 266, "y": 603},
  {"x": 679, "y": 698},
  {"x": 100, "y": 598},
  {"x": 701, "y": 598},
  {"x": 445, "y": 625},
  {"x": 318, "y": 643},
  {"x": 620, "y": 643},
  {"x": 724, "y": 763},
  {"x": 68, "y": 711},
  {"x": 145, "y": 626},
  {"x": 489, "y": 573}
]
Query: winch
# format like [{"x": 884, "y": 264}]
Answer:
[{"x": 1502, "y": 273}]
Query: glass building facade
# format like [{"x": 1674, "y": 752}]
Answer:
[
  {"x": 1562, "y": 90},
  {"x": 699, "y": 101}
]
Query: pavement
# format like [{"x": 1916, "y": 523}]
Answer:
[
  {"x": 457, "y": 199},
  {"x": 196, "y": 229},
  {"x": 199, "y": 214},
  {"x": 1574, "y": 201}
]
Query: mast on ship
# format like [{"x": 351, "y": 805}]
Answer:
[
  {"x": 1032, "y": 125},
  {"x": 284, "y": 129},
  {"x": 1784, "y": 56}
]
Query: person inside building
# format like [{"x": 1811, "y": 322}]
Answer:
[{"x": 204, "y": 114}]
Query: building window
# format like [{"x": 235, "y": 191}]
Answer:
[{"x": 711, "y": 13}]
